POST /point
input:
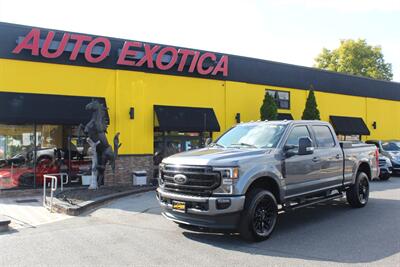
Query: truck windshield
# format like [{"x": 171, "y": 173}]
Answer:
[{"x": 259, "y": 135}]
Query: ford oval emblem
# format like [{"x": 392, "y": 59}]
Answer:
[{"x": 180, "y": 178}]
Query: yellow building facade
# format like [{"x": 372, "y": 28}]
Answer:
[{"x": 228, "y": 96}]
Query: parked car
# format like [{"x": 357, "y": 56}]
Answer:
[
  {"x": 385, "y": 168},
  {"x": 23, "y": 176},
  {"x": 255, "y": 170},
  {"x": 390, "y": 149}
]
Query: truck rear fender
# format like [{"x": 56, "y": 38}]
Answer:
[{"x": 364, "y": 167}]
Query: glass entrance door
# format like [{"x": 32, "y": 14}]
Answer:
[{"x": 167, "y": 144}]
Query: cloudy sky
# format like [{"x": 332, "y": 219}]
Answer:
[{"x": 291, "y": 31}]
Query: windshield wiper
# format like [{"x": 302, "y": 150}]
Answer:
[
  {"x": 244, "y": 144},
  {"x": 216, "y": 144}
]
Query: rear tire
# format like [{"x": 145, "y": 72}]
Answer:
[
  {"x": 259, "y": 215},
  {"x": 358, "y": 194}
]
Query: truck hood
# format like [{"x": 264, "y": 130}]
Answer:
[{"x": 214, "y": 156}]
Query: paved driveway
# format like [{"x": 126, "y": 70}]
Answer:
[
  {"x": 27, "y": 212},
  {"x": 131, "y": 231}
]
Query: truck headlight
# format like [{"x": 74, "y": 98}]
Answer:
[
  {"x": 228, "y": 173},
  {"x": 229, "y": 176}
]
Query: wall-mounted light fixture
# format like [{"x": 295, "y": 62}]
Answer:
[
  {"x": 374, "y": 125},
  {"x": 131, "y": 113},
  {"x": 237, "y": 117}
]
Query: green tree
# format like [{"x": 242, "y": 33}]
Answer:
[
  {"x": 269, "y": 110},
  {"x": 355, "y": 57},
  {"x": 311, "y": 111}
]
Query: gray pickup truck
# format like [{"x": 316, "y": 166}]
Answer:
[{"x": 256, "y": 170}]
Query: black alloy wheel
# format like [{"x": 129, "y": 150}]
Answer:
[
  {"x": 363, "y": 190},
  {"x": 259, "y": 215},
  {"x": 264, "y": 217},
  {"x": 358, "y": 193}
]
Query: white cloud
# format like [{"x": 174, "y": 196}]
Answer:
[{"x": 345, "y": 6}]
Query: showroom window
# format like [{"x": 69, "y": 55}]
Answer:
[
  {"x": 28, "y": 152},
  {"x": 282, "y": 98},
  {"x": 16, "y": 158}
]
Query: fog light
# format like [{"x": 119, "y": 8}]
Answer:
[{"x": 223, "y": 203}]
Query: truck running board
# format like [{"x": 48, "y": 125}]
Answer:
[{"x": 312, "y": 202}]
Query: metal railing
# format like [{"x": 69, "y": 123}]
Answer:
[
  {"x": 62, "y": 175},
  {"x": 53, "y": 187}
]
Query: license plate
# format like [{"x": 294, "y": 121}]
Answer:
[{"x": 179, "y": 206}]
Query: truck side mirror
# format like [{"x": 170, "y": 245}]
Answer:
[
  {"x": 208, "y": 141},
  {"x": 305, "y": 146}
]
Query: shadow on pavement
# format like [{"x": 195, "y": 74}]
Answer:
[{"x": 330, "y": 232}]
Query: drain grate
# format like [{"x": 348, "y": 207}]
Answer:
[{"x": 32, "y": 200}]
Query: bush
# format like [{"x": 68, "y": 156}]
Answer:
[{"x": 311, "y": 111}]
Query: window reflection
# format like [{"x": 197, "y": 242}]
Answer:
[
  {"x": 282, "y": 98},
  {"x": 16, "y": 156},
  {"x": 28, "y": 152}
]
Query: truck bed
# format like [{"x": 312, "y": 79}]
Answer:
[{"x": 354, "y": 154}]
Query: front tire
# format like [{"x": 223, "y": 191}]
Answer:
[
  {"x": 259, "y": 216},
  {"x": 358, "y": 194}
]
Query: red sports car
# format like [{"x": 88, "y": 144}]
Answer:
[{"x": 23, "y": 176}]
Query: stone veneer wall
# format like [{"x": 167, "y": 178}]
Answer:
[{"x": 125, "y": 165}]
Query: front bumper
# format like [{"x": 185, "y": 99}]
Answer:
[{"x": 202, "y": 211}]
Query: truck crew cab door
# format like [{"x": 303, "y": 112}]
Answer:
[
  {"x": 300, "y": 171},
  {"x": 331, "y": 156}
]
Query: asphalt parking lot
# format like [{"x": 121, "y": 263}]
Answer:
[{"x": 131, "y": 231}]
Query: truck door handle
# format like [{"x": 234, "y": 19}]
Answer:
[
  {"x": 315, "y": 159},
  {"x": 337, "y": 156}
]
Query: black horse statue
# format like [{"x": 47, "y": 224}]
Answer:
[{"x": 96, "y": 130}]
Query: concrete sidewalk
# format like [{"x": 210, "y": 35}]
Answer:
[{"x": 27, "y": 212}]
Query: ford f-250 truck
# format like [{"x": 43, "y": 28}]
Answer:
[{"x": 255, "y": 170}]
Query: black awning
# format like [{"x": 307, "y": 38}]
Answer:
[
  {"x": 186, "y": 119},
  {"x": 285, "y": 116},
  {"x": 21, "y": 108},
  {"x": 349, "y": 125}
]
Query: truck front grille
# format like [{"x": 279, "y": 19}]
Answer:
[{"x": 199, "y": 180}]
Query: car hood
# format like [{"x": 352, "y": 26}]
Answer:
[{"x": 214, "y": 156}]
